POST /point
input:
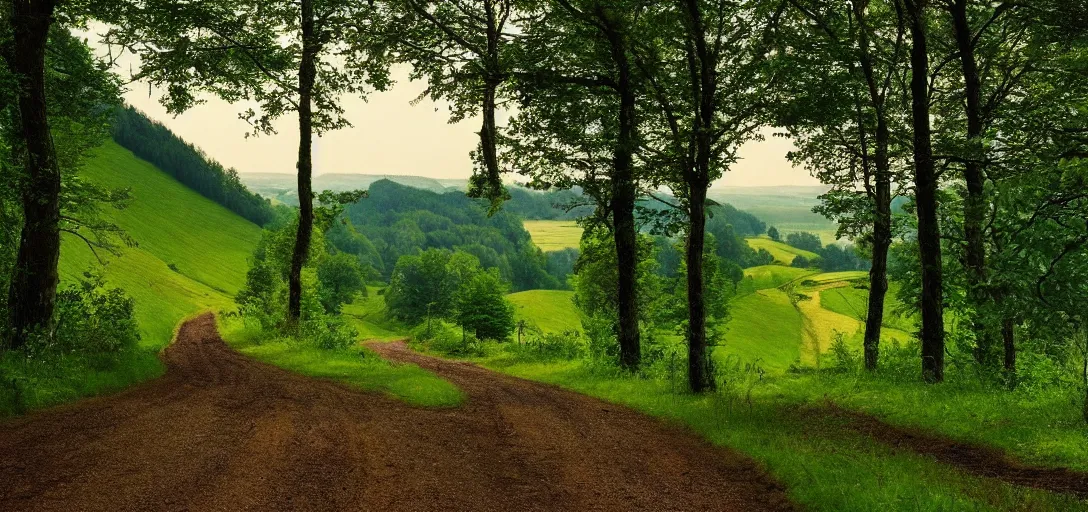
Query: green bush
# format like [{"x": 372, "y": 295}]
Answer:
[{"x": 93, "y": 319}]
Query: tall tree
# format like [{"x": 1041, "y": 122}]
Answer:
[
  {"x": 33, "y": 288},
  {"x": 841, "y": 119},
  {"x": 460, "y": 47},
  {"x": 579, "y": 126},
  {"x": 706, "y": 70},
  {"x": 926, "y": 183},
  {"x": 297, "y": 56}
]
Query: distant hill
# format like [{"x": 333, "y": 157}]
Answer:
[
  {"x": 788, "y": 208},
  {"x": 283, "y": 187}
]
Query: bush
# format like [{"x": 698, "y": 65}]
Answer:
[
  {"x": 93, "y": 319},
  {"x": 446, "y": 338},
  {"x": 552, "y": 346}
]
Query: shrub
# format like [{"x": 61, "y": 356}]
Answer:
[{"x": 93, "y": 319}]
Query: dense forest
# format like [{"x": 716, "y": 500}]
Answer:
[{"x": 152, "y": 141}]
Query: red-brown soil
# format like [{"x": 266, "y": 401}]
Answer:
[{"x": 223, "y": 432}]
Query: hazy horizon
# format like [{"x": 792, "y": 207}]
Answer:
[{"x": 388, "y": 136}]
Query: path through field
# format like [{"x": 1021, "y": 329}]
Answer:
[{"x": 223, "y": 432}]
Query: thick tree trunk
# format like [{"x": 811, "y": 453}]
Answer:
[
  {"x": 974, "y": 205},
  {"x": 698, "y": 374},
  {"x": 306, "y": 77},
  {"x": 925, "y": 190},
  {"x": 33, "y": 287},
  {"x": 624, "y": 194}
]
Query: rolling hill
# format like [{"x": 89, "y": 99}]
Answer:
[{"x": 192, "y": 254}]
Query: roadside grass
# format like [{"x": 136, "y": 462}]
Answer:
[
  {"x": 369, "y": 316},
  {"x": 783, "y": 254},
  {"x": 554, "y": 235},
  {"x": 549, "y": 310},
  {"x": 1039, "y": 428},
  {"x": 357, "y": 367},
  {"x": 824, "y": 464},
  {"x": 207, "y": 245}
]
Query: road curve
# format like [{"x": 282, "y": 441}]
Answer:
[{"x": 223, "y": 432}]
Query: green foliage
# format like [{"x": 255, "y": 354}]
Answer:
[
  {"x": 328, "y": 281},
  {"x": 396, "y": 221},
  {"x": 595, "y": 290},
  {"x": 94, "y": 319},
  {"x": 800, "y": 262},
  {"x": 426, "y": 285},
  {"x": 340, "y": 278},
  {"x": 773, "y": 233},
  {"x": 805, "y": 241},
  {"x": 481, "y": 307}
]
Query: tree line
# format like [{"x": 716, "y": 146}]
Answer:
[
  {"x": 972, "y": 110},
  {"x": 155, "y": 143}
]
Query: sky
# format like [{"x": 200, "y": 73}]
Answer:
[{"x": 389, "y": 135}]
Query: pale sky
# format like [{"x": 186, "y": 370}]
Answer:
[{"x": 389, "y": 136}]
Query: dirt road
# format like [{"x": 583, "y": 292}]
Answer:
[{"x": 222, "y": 432}]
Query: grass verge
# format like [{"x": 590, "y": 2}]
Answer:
[
  {"x": 357, "y": 367},
  {"x": 824, "y": 464}
]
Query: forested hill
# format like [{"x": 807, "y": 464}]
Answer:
[
  {"x": 155, "y": 143},
  {"x": 397, "y": 220}
]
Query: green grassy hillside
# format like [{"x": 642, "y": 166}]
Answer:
[
  {"x": 782, "y": 253},
  {"x": 550, "y": 310},
  {"x": 554, "y": 235},
  {"x": 208, "y": 245}
]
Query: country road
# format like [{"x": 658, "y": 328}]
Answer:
[{"x": 223, "y": 432}]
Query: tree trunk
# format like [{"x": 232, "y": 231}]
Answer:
[
  {"x": 306, "y": 76},
  {"x": 698, "y": 374},
  {"x": 1008, "y": 336},
  {"x": 623, "y": 204},
  {"x": 882, "y": 240},
  {"x": 490, "y": 186},
  {"x": 33, "y": 288},
  {"x": 925, "y": 190},
  {"x": 974, "y": 205},
  {"x": 882, "y": 197},
  {"x": 697, "y": 178}
]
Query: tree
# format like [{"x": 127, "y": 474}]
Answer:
[
  {"x": 482, "y": 308},
  {"x": 459, "y": 47},
  {"x": 426, "y": 285},
  {"x": 79, "y": 95},
  {"x": 33, "y": 287},
  {"x": 284, "y": 56},
  {"x": 926, "y": 183},
  {"x": 706, "y": 70},
  {"x": 773, "y": 233},
  {"x": 838, "y": 112},
  {"x": 340, "y": 279},
  {"x": 578, "y": 126}
]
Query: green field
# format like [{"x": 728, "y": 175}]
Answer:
[
  {"x": 173, "y": 225},
  {"x": 548, "y": 310},
  {"x": 554, "y": 235},
  {"x": 782, "y": 253}
]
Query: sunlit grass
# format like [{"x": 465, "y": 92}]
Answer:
[
  {"x": 358, "y": 367},
  {"x": 781, "y": 252},
  {"x": 548, "y": 310},
  {"x": 554, "y": 235}
]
